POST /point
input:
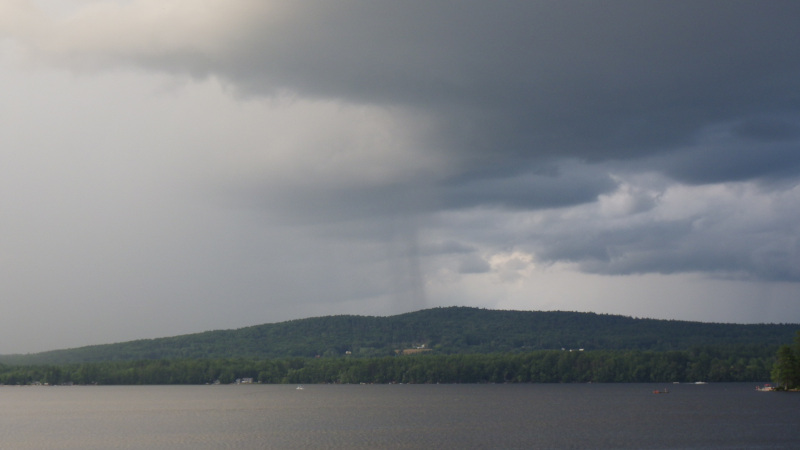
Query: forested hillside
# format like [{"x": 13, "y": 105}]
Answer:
[{"x": 443, "y": 331}]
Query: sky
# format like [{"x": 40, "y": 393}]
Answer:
[{"x": 177, "y": 166}]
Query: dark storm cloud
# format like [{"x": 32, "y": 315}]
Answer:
[
  {"x": 768, "y": 129},
  {"x": 555, "y": 186},
  {"x": 523, "y": 80},
  {"x": 734, "y": 162},
  {"x": 765, "y": 149},
  {"x": 551, "y": 186},
  {"x": 510, "y": 87},
  {"x": 676, "y": 248},
  {"x": 506, "y": 85}
]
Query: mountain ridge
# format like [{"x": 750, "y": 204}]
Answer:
[{"x": 445, "y": 330}]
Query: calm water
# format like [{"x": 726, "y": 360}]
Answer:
[{"x": 398, "y": 416}]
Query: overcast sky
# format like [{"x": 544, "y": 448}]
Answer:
[{"x": 176, "y": 166}]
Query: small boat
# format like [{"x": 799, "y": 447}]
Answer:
[
  {"x": 765, "y": 388},
  {"x": 300, "y": 387},
  {"x": 663, "y": 391}
]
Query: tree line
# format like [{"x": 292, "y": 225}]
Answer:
[{"x": 546, "y": 366}]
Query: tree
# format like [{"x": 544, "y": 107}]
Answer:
[{"x": 786, "y": 372}]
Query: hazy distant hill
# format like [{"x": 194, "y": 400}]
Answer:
[{"x": 442, "y": 330}]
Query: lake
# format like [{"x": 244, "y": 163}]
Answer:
[{"x": 725, "y": 415}]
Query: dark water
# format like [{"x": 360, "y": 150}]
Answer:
[{"x": 721, "y": 416}]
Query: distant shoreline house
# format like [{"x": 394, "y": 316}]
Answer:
[{"x": 411, "y": 351}]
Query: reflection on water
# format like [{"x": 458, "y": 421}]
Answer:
[{"x": 397, "y": 416}]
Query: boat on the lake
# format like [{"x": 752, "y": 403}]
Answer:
[
  {"x": 765, "y": 388},
  {"x": 662, "y": 391}
]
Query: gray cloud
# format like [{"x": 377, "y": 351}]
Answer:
[
  {"x": 307, "y": 158},
  {"x": 509, "y": 80},
  {"x": 550, "y": 186},
  {"x": 473, "y": 264},
  {"x": 739, "y": 232}
]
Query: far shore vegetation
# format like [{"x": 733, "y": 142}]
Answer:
[{"x": 552, "y": 366}]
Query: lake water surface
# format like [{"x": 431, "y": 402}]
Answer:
[{"x": 398, "y": 416}]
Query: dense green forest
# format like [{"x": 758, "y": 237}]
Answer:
[
  {"x": 443, "y": 331},
  {"x": 547, "y": 366},
  {"x": 442, "y": 345}
]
